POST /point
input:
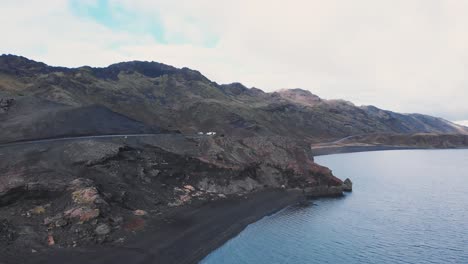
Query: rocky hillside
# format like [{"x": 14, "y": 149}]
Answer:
[
  {"x": 420, "y": 140},
  {"x": 76, "y": 193},
  {"x": 73, "y": 191},
  {"x": 151, "y": 96}
]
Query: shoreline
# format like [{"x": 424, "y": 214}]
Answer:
[
  {"x": 186, "y": 235},
  {"x": 189, "y": 233},
  {"x": 355, "y": 149}
]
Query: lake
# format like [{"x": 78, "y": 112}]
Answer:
[{"x": 408, "y": 206}]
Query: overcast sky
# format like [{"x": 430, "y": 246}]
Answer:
[{"x": 403, "y": 55}]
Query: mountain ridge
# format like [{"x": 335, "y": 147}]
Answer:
[{"x": 159, "y": 95}]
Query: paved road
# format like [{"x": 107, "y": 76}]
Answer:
[
  {"x": 17, "y": 143},
  {"x": 76, "y": 138},
  {"x": 334, "y": 142}
]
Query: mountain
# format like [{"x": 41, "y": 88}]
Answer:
[
  {"x": 158, "y": 96},
  {"x": 64, "y": 184}
]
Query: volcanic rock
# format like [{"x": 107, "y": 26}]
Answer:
[
  {"x": 347, "y": 185},
  {"x": 83, "y": 214},
  {"x": 102, "y": 229},
  {"x": 140, "y": 212}
]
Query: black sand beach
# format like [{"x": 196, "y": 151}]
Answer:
[{"x": 186, "y": 235}]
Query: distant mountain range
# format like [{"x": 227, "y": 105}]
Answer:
[{"x": 41, "y": 101}]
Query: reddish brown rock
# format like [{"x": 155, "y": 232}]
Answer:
[
  {"x": 85, "y": 196},
  {"x": 189, "y": 188},
  {"x": 82, "y": 213},
  {"x": 140, "y": 212},
  {"x": 134, "y": 224},
  {"x": 50, "y": 240}
]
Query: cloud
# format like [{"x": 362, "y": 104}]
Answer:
[
  {"x": 148, "y": 18},
  {"x": 462, "y": 122},
  {"x": 407, "y": 56}
]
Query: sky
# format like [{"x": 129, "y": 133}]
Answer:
[{"x": 403, "y": 55}]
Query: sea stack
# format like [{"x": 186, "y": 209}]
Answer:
[{"x": 347, "y": 185}]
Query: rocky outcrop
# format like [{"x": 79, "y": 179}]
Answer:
[
  {"x": 5, "y": 104},
  {"x": 8, "y": 232},
  {"x": 17, "y": 186},
  {"x": 83, "y": 192},
  {"x": 347, "y": 185},
  {"x": 300, "y": 96},
  {"x": 233, "y": 187},
  {"x": 323, "y": 191}
]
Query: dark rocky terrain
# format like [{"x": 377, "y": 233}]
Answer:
[
  {"x": 151, "y": 96},
  {"x": 65, "y": 186},
  {"x": 389, "y": 141},
  {"x": 78, "y": 193}
]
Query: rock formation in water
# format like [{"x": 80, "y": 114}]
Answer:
[{"x": 347, "y": 185}]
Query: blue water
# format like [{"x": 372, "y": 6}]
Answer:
[{"x": 407, "y": 207}]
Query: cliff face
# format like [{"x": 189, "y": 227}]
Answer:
[{"x": 82, "y": 192}]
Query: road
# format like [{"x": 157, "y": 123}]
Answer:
[
  {"x": 48, "y": 140},
  {"x": 333, "y": 142},
  {"x": 75, "y": 138}
]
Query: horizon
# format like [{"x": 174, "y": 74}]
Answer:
[{"x": 406, "y": 56}]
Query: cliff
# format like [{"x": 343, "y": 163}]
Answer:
[{"x": 79, "y": 192}]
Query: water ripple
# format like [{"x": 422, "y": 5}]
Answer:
[{"x": 408, "y": 207}]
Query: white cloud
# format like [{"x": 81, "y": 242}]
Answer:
[
  {"x": 462, "y": 122},
  {"x": 405, "y": 55}
]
